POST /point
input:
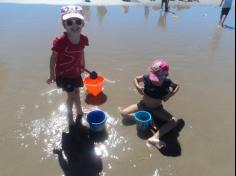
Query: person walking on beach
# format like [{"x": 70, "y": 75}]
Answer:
[
  {"x": 157, "y": 88},
  {"x": 67, "y": 59},
  {"x": 166, "y": 2},
  {"x": 226, "y": 6}
]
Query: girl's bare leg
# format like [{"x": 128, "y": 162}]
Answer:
[
  {"x": 171, "y": 123},
  {"x": 78, "y": 106},
  {"x": 69, "y": 104},
  {"x": 128, "y": 113}
]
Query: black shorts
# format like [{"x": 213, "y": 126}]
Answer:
[
  {"x": 69, "y": 84},
  {"x": 225, "y": 11}
]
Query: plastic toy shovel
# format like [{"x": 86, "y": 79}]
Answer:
[{"x": 92, "y": 75}]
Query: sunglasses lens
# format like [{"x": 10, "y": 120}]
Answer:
[
  {"x": 78, "y": 22},
  {"x": 69, "y": 22}
]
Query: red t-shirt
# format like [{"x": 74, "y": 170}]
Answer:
[{"x": 70, "y": 56}]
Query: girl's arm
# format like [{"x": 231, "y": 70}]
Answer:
[
  {"x": 53, "y": 59},
  {"x": 174, "y": 89},
  {"x": 82, "y": 62},
  {"x": 137, "y": 80}
]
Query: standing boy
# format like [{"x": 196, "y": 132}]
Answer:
[{"x": 226, "y": 6}]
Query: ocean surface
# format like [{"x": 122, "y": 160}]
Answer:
[{"x": 124, "y": 40}]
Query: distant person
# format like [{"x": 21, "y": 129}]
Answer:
[
  {"x": 226, "y": 6},
  {"x": 166, "y": 2},
  {"x": 67, "y": 59},
  {"x": 157, "y": 88}
]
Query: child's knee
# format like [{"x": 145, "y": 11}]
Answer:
[
  {"x": 124, "y": 113},
  {"x": 174, "y": 120}
]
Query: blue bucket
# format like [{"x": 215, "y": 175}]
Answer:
[
  {"x": 96, "y": 120},
  {"x": 143, "y": 120}
]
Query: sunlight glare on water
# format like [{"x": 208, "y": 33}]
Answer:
[{"x": 48, "y": 131}]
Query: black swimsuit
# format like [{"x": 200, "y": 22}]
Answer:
[{"x": 156, "y": 92}]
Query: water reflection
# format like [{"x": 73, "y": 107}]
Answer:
[
  {"x": 215, "y": 42},
  {"x": 180, "y": 7},
  {"x": 156, "y": 8},
  {"x": 98, "y": 100},
  {"x": 146, "y": 12},
  {"x": 87, "y": 12},
  {"x": 125, "y": 8},
  {"x": 162, "y": 19},
  {"x": 101, "y": 13}
]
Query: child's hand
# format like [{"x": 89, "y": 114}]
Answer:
[
  {"x": 167, "y": 97},
  {"x": 50, "y": 80}
]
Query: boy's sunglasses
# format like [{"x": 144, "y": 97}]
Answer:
[{"x": 70, "y": 22}]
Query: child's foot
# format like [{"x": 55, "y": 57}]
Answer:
[{"x": 156, "y": 143}]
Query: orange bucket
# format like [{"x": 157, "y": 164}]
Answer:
[{"x": 94, "y": 86}]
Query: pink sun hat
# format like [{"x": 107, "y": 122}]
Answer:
[
  {"x": 71, "y": 11},
  {"x": 159, "y": 70}
]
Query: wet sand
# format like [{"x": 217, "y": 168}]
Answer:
[{"x": 123, "y": 42}]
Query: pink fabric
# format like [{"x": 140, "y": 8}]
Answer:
[
  {"x": 159, "y": 71},
  {"x": 70, "y": 61}
]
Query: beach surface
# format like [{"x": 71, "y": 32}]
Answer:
[{"x": 124, "y": 40}]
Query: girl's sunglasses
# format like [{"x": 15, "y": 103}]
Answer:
[{"x": 70, "y": 22}]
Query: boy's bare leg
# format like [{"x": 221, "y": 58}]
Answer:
[{"x": 223, "y": 20}]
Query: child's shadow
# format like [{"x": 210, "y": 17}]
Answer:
[
  {"x": 77, "y": 156},
  {"x": 173, "y": 147},
  {"x": 229, "y": 27}
]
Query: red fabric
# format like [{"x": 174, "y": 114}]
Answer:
[{"x": 70, "y": 59}]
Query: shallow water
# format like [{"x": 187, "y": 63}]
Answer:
[{"x": 123, "y": 42}]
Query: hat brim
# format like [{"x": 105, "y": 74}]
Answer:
[
  {"x": 72, "y": 15},
  {"x": 157, "y": 80}
]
